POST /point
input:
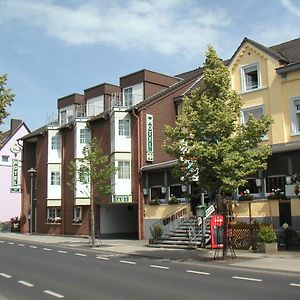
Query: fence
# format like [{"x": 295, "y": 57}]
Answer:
[{"x": 244, "y": 236}]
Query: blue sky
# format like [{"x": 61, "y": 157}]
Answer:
[{"x": 52, "y": 48}]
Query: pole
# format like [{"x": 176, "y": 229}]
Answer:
[
  {"x": 203, "y": 222},
  {"x": 31, "y": 202}
]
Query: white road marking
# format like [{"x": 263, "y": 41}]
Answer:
[
  {"x": 128, "y": 262},
  {"x": 102, "y": 257},
  {"x": 159, "y": 267},
  {"x": 62, "y": 251},
  {"x": 295, "y": 284},
  {"x": 247, "y": 278},
  {"x": 21, "y": 245},
  {"x": 33, "y": 247},
  {"x": 80, "y": 254},
  {"x": 47, "y": 249},
  {"x": 11, "y": 243},
  {"x": 5, "y": 275},
  {"x": 197, "y": 272},
  {"x": 2, "y": 241},
  {"x": 25, "y": 283},
  {"x": 54, "y": 294}
]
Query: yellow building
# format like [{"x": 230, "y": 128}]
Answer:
[{"x": 268, "y": 80}]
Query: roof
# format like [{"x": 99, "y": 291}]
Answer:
[
  {"x": 35, "y": 133},
  {"x": 290, "y": 50}
]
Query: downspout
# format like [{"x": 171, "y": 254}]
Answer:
[{"x": 140, "y": 206}]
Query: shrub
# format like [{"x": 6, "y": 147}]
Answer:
[
  {"x": 266, "y": 234},
  {"x": 157, "y": 231}
]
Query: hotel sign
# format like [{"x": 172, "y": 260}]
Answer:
[
  {"x": 15, "y": 188},
  {"x": 149, "y": 137},
  {"x": 122, "y": 198}
]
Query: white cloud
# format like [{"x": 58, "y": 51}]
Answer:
[
  {"x": 291, "y": 7},
  {"x": 168, "y": 26}
]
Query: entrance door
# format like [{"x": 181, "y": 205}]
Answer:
[{"x": 285, "y": 212}]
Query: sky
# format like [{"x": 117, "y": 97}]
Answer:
[{"x": 53, "y": 48}]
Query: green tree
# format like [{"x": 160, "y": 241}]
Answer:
[
  {"x": 6, "y": 97},
  {"x": 94, "y": 172},
  {"x": 208, "y": 139}
]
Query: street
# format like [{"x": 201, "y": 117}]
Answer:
[{"x": 31, "y": 270}]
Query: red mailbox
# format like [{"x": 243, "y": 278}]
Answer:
[{"x": 217, "y": 231}]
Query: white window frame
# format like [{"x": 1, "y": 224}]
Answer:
[
  {"x": 123, "y": 169},
  {"x": 77, "y": 214},
  {"x": 55, "y": 142},
  {"x": 124, "y": 127},
  {"x": 55, "y": 178},
  {"x": 244, "y": 85},
  {"x": 295, "y": 125},
  {"x": 128, "y": 96},
  {"x": 84, "y": 136},
  {"x": 54, "y": 215},
  {"x": 63, "y": 117}
]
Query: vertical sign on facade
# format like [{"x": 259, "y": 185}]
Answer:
[
  {"x": 15, "y": 188},
  {"x": 149, "y": 137}
]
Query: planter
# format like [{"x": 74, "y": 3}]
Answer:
[{"x": 267, "y": 248}]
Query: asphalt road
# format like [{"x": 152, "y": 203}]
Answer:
[{"x": 39, "y": 271}]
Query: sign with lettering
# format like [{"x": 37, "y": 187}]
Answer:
[
  {"x": 122, "y": 198},
  {"x": 149, "y": 138},
  {"x": 15, "y": 187}
]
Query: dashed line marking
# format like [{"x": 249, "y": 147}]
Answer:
[
  {"x": 197, "y": 272},
  {"x": 21, "y": 245},
  {"x": 54, "y": 294},
  {"x": 2, "y": 241},
  {"x": 295, "y": 284},
  {"x": 127, "y": 262},
  {"x": 80, "y": 254},
  {"x": 5, "y": 275},
  {"x": 159, "y": 267},
  {"x": 62, "y": 251},
  {"x": 33, "y": 247},
  {"x": 102, "y": 257},
  {"x": 25, "y": 283},
  {"x": 247, "y": 278},
  {"x": 11, "y": 243},
  {"x": 47, "y": 249}
]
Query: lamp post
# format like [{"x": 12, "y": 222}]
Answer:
[{"x": 32, "y": 173}]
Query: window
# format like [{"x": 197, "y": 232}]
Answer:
[
  {"x": 55, "y": 178},
  {"x": 5, "y": 158},
  {"x": 128, "y": 97},
  {"x": 77, "y": 214},
  {"x": 53, "y": 215},
  {"x": 274, "y": 183},
  {"x": 156, "y": 193},
  {"x": 55, "y": 142},
  {"x": 176, "y": 191},
  {"x": 124, "y": 127},
  {"x": 250, "y": 77},
  {"x": 123, "y": 169},
  {"x": 249, "y": 185},
  {"x": 257, "y": 112},
  {"x": 84, "y": 137},
  {"x": 63, "y": 117},
  {"x": 295, "y": 118}
]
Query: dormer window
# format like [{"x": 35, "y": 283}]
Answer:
[
  {"x": 128, "y": 97},
  {"x": 250, "y": 77}
]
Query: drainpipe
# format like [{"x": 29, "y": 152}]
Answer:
[{"x": 140, "y": 204}]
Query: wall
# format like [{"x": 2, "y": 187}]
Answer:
[{"x": 10, "y": 203}]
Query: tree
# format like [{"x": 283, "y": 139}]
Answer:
[
  {"x": 208, "y": 139},
  {"x": 6, "y": 97},
  {"x": 94, "y": 172}
]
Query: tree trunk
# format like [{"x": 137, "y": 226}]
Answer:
[{"x": 92, "y": 219}]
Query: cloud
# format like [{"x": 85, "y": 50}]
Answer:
[
  {"x": 291, "y": 7},
  {"x": 168, "y": 27}
]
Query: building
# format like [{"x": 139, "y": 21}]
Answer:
[
  {"x": 10, "y": 170},
  {"x": 128, "y": 122}
]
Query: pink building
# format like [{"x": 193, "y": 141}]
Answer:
[{"x": 10, "y": 170}]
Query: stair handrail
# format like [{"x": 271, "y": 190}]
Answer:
[
  {"x": 168, "y": 218},
  {"x": 192, "y": 232}
]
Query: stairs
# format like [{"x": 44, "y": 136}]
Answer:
[{"x": 186, "y": 235}]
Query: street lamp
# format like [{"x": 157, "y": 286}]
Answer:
[{"x": 32, "y": 173}]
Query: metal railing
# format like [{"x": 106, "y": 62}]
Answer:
[
  {"x": 172, "y": 220},
  {"x": 121, "y": 100}
]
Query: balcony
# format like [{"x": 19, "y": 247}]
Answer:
[
  {"x": 70, "y": 115},
  {"x": 126, "y": 100}
]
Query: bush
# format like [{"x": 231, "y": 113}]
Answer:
[
  {"x": 156, "y": 231},
  {"x": 266, "y": 234}
]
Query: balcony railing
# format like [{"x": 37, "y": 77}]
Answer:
[{"x": 121, "y": 100}]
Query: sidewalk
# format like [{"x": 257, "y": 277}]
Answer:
[{"x": 287, "y": 261}]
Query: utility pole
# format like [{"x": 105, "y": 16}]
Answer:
[{"x": 32, "y": 173}]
